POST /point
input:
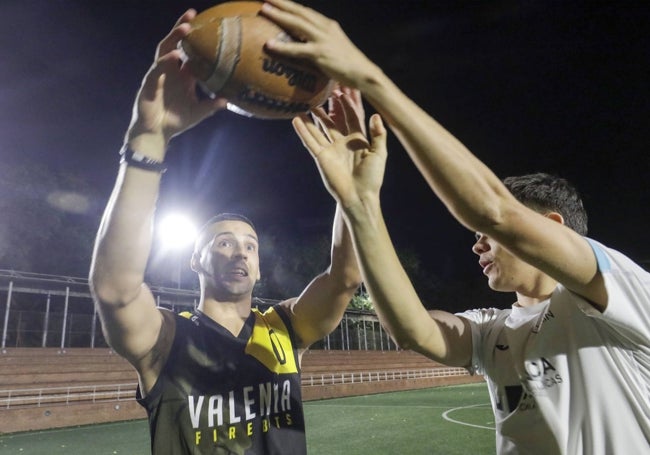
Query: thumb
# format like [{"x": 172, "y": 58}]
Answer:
[
  {"x": 378, "y": 135},
  {"x": 211, "y": 106}
]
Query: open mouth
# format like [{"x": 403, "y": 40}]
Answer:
[
  {"x": 238, "y": 272},
  {"x": 486, "y": 265}
]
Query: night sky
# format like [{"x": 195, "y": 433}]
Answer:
[{"x": 528, "y": 86}]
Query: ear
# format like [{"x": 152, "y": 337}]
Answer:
[
  {"x": 555, "y": 216},
  {"x": 195, "y": 262}
]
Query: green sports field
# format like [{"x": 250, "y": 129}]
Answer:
[{"x": 442, "y": 420}]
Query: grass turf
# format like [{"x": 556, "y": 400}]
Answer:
[
  {"x": 442, "y": 420},
  {"x": 404, "y": 423}
]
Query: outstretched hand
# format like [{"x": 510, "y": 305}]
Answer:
[
  {"x": 322, "y": 41},
  {"x": 352, "y": 167},
  {"x": 337, "y": 114},
  {"x": 167, "y": 102}
]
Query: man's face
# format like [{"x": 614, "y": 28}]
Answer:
[
  {"x": 229, "y": 260},
  {"x": 505, "y": 272}
]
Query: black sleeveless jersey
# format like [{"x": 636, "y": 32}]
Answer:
[{"x": 225, "y": 394}]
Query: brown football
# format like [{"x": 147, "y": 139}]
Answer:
[{"x": 225, "y": 51}]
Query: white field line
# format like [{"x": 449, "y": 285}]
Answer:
[{"x": 445, "y": 415}]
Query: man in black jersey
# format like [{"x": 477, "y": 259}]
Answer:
[{"x": 225, "y": 379}]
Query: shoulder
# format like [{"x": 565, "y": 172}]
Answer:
[
  {"x": 278, "y": 318},
  {"x": 610, "y": 260},
  {"x": 284, "y": 309},
  {"x": 275, "y": 316},
  {"x": 623, "y": 279}
]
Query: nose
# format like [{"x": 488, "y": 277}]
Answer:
[
  {"x": 481, "y": 245},
  {"x": 240, "y": 251}
]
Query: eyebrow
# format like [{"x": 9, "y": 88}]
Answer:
[{"x": 230, "y": 233}]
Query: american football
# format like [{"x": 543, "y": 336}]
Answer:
[{"x": 225, "y": 51}]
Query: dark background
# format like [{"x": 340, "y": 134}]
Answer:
[{"x": 528, "y": 86}]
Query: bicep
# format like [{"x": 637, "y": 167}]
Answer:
[
  {"x": 450, "y": 341},
  {"x": 132, "y": 328},
  {"x": 318, "y": 310}
]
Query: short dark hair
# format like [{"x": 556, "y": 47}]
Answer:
[
  {"x": 544, "y": 192},
  {"x": 217, "y": 219},
  {"x": 227, "y": 217}
]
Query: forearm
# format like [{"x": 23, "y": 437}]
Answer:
[
  {"x": 320, "y": 307},
  {"x": 471, "y": 192},
  {"x": 394, "y": 297},
  {"x": 338, "y": 283},
  {"x": 125, "y": 234},
  {"x": 344, "y": 269}
]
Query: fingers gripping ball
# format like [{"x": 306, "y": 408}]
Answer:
[{"x": 225, "y": 52}]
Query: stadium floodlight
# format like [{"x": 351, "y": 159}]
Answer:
[{"x": 176, "y": 231}]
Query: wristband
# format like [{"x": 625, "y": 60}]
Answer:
[{"x": 137, "y": 159}]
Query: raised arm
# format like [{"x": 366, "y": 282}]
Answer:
[
  {"x": 165, "y": 105},
  {"x": 438, "y": 335},
  {"x": 471, "y": 192},
  {"x": 320, "y": 307}
]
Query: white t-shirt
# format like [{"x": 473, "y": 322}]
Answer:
[{"x": 566, "y": 379}]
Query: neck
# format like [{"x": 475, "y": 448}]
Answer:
[
  {"x": 230, "y": 314},
  {"x": 526, "y": 301},
  {"x": 540, "y": 290}
]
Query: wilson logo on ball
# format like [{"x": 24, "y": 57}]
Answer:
[
  {"x": 225, "y": 51},
  {"x": 295, "y": 77}
]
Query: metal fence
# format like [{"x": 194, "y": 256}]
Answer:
[
  {"x": 356, "y": 377},
  {"x": 57, "y": 311},
  {"x": 47, "y": 396}
]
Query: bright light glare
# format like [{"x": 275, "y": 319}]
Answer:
[{"x": 176, "y": 231}]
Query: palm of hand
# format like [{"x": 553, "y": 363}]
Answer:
[
  {"x": 168, "y": 102},
  {"x": 350, "y": 165},
  {"x": 351, "y": 168}
]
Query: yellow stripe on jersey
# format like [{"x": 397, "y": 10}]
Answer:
[{"x": 270, "y": 343}]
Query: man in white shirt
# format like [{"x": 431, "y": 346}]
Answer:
[{"x": 568, "y": 366}]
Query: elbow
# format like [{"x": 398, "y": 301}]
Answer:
[
  {"x": 353, "y": 283},
  {"x": 483, "y": 221},
  {"x": 405, "y": 344},
  {"x": 101, "y": 290},
  {"x": 352, "y": 278},
  {"x": 349, "y": 278},
  {"x": 98, "y": 287},
  {"x": 418, "y": 342},
  {"x": 404, "y": 339},
  {"x": 112, "y": 289},
  {"x": 490, "y": 214}
]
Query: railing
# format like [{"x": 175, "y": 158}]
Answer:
[
  {"x": 320, "y": 379},
  {"x": 37, "y": 397}
]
